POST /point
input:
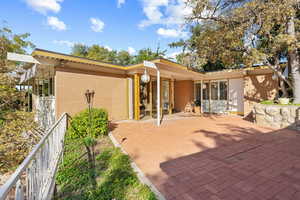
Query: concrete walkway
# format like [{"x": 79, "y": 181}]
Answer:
[{"x": 213, "y": 158}]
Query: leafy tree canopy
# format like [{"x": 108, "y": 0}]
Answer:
[
  {"x": 247, "y": 32},
  {"x": 14, "y": 122},
  {"x": 122, "y": 57}
]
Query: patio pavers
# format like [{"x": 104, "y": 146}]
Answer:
[{"x": 215, "y": 157}]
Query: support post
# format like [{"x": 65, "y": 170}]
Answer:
[
  {"x": 158, "y": 98},
  {"x": 150, "y": 97},
  {"x": 153, "y": 66},
  {"x": 170, "y": 94},
  {"x": 136, "y": 97},
  {"x": 201, "y": 92}
]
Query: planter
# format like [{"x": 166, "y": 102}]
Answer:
[
  {"x": 277, "y": 116},
  {"x": 284, "y": 101}
]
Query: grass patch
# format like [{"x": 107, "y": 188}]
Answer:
[
  {"x": 114, "y": 176},
  {"x": 270, "y": 102}
]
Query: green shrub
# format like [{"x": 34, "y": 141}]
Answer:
[
  {"x": 270, "y": 102},
  {"x": 80, "y": 124},
  {"x": 267, "y": 102}
]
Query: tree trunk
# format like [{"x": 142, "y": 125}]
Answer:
[
  {"x": 293, "y": 59},
  {"x": 283, "y": 89},
  {"x": 91, "y": 166}
]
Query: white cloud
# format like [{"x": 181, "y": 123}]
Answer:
[
  {"x": 56, "y": 24},
  {"x": 131, "y": 50},
  {"x": 171, "y": 33},
  {"x": 120, "y": 2},
  {"x": 64, "y": 43},
  {"x": 108, "y": 48},
  {"x": 97, "y": 24},
  {"x": 43, "y": 6},
  {"x": 167, "y": 12}
]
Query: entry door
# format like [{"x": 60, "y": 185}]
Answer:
[{"x": 236, "y": 95}]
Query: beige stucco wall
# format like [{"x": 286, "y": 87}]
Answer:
[
  {"x": 183, "y": 94},
  {"x": 110, "y": 93},
  {"x": 256, "y": 89}
]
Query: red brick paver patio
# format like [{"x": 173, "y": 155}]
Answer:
[{"x": 213, "y": 158}]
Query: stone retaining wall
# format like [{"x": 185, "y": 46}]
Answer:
[{"x": 276, "y": 116}]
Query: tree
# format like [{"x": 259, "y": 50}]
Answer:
[
  {"x": 14, "y": 122},
  {"x": 189, "y": 56},
  {"x": 122, "y": 57},
  {"x": 247, "y": 32},
  {"x": 148, "y": 54},
  {"x": 79, "y": 50},
  {"x": 98, "y": 52}
]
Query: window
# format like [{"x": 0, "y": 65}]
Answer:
[
  {"x": 223, "y": 90},
  {"x": 198, "y": 91},
  {"x": 214, "y": 90},
  {"x": 206, "y": 91}
]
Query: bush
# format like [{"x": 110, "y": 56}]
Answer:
[
  {"x": 267, "y": 102},
  {"x": 80, "y": 124}
]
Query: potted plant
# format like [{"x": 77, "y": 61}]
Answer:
[
  {"x": 284, "y": 100},
  {"x": 197, "y": 108}
]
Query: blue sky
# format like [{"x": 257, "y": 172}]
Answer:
[{"x": 117, "y": 24}]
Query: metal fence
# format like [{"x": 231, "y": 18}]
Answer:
[{"x": 34, "y": 179}]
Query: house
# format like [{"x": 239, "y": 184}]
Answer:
[{"x": 59, "y": 81}]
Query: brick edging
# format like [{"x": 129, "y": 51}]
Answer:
[{"x": 140, "y": 174}]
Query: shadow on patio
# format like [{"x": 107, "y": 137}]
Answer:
[
  {"x": 216, "y": 158},
  {"x": 247, "y": 165}
]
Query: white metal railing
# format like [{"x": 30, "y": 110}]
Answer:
[{"x": 34, "y": 179}]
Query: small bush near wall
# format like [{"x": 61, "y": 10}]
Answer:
[{"x": 81, "y": 123}]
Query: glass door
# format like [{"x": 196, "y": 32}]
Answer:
[{"x": 215, "y": 95}]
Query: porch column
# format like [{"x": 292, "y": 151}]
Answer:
[
  {"x": 201, "y": 92},
  {"x": 171, "y": 94},
  {"x": 136, "y": 97},
  {"x": 150, "y": 97}
]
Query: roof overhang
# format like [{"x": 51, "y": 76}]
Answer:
[
  {"x": 168, "y": 68},
  {"x": 46, "y": 61}
]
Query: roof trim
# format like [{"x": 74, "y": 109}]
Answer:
[
  {"x": 56, "y": 55},
  {"x": 71, "y": 58}
]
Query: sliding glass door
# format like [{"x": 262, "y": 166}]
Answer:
[{"x": 215, "y": 96}]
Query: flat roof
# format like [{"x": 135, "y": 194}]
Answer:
[{"x": 72, "y": 58}]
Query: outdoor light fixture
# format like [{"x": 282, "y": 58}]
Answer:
[
  {"x": 145, "y": 77},
  {"x": 89, "y": 95}
]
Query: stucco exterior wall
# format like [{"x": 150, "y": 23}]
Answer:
[
  {"x": 256, "y": 89},
  {"x": 183, "y": 94},
  {"x": 110, "y": 93}
]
